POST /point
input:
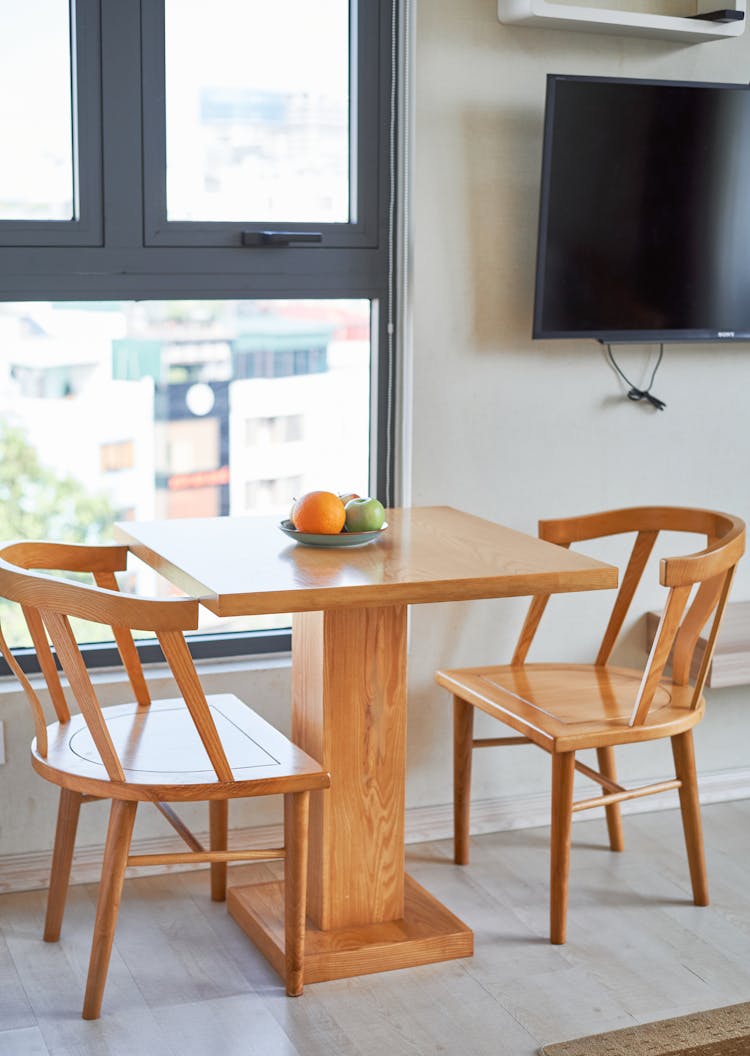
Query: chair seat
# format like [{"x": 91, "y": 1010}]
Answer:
[
  {"x": 163, "y": 756},
  {"x": 566, "y": 707}
]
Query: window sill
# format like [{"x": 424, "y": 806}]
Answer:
[{"x": 209, "y": 667}]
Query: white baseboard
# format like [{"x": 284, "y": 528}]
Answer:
[
  {"x": 30, "y": 871},
  {"x": 531, "y": 811}
]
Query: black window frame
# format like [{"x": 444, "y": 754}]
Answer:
[{"x": 58, "y": 261}]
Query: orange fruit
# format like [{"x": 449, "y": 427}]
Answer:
[{"x": 319, "y": 512}]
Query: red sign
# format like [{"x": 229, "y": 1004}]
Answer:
[{"x": 206, "y": 478}]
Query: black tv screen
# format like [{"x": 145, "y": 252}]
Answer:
[{"x": 644, "y": 231}]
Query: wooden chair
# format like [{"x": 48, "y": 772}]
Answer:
[
  {"x": 190, "y": 747},
  {"x": 564, "y": 708}
]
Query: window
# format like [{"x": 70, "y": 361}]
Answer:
[
  {"x": 36, "y": 179},
  {"x": 272, "y": 125},
  {"x": 195, "y": 284},
  {"x": 50, "y": 115},
  {"x": 116, "y": 456},
  {"x": 266, "y": 138}
]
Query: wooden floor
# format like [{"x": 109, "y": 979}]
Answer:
[{"x": 185, "y": 980}]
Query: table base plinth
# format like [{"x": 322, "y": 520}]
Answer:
[{"x": 428, "y": 932}]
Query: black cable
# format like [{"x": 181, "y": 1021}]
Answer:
[{"x": 634, "y": 393}]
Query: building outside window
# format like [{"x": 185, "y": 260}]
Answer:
[{"x": 194, "y": 259}]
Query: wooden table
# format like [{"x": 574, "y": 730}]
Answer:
[{"x": 349, "y": 700}]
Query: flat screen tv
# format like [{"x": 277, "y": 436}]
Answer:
[{"x": 644, "y": 228}]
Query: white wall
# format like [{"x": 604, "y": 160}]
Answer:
[
  {"x": 503, "y": 427},
  {"x": 516, "y": 430}
]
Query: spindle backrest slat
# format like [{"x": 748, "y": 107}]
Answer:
[
  {"x": 46, "y": 662},
  {"x": 66, "y": 647},
  {"x": 696, "y": 618},
  {"x": 677, "y": 599},
  {"x": 49, "y": 602},
  {"x": 711, "y": 644},
  {"x": 181, "y": 664},
  {"x": 126, "y": 646},
  {"x": 642, "y": 548},
  {"x": 711, "y": 569},
  {"x": 40, "y": 725}
]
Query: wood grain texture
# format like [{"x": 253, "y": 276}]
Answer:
[
  {"x": 180, "y": 827},
  {"x": 163, "y": 758},
  {"x": 189, "y": 748},
  {"x": 566, "y": 707},
  {"x": 721, "y": 608},
  {"x": 426, "y": 932},
  {"x": 699, "y": 612},
  {"x": 644, "y": 544},
  {"x": 83, "y": 690},
  {"x": 563, "y": 769},
  {"x": 126, "y": 646},
  {"x": 531, "y": 623},
  {"x": 218, "y": 812},
  {"x": 463, "y": 734},
  {"x": 349, "y": 704},
  {"x": 684, "y": 761},
  {"x": 68, "y": 811},
  {"x": 244, "y": 565},
  {"x": 669, "y": 625},
  {"x": 612, "y": 798},
  {"x": 296, "y": 827},
  {"x": 730, "y": 663},
  {"x": 605, "y": 757},
  {"x": 119, "y": 833},
  {"x": 95, "y": 604},
  {"x": 714, "y": 524},
  {"x": 46, "y": 662},
  {"x": 571, "y": 706},
  {"x": 177, "y": 655},
  {"x": 349, "y": 659},
  {"x": 66, "y": 557}
]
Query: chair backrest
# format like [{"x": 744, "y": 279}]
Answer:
[
  {"x": 49, "y": 602},
  {"x": 698, "y": 586}
]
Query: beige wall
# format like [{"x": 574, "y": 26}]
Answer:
[
  {"x": 28, "y": 804},
  {"x": 501, "y": 426},
  {"x": 516, "y": 430}
]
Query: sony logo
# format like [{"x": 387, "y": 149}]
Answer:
[{"x": 725, "y": 333}]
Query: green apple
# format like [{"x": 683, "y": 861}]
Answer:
[{"x": 364, "y": 515}]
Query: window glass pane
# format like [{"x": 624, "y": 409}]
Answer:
[
  {"x": 130, "y": 411},
  {"x": 36, "y": 174},
  {"x": 257, "y": 110}
]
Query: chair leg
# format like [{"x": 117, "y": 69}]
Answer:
[
  {"x": 606, "y": 760},
  {"x": 62, "y": 858},
  {"x": 218, "y": 815},
  {"x": 463, "y": 733},
  {"x": 296, "y": 819},
  {"x": 684, "y": 763},
  {"x": 119, "y": 833},
  {"x": 563, "y": 770}
]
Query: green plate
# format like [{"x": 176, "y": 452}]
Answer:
[{"x": 329, "y": 541}]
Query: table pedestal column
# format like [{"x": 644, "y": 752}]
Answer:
[{"x": 349, "y": 711}]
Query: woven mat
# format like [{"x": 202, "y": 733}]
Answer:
[{"x": 719, "y": 1032}]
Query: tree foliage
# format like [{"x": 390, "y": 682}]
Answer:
[{"x": 38, "y": 503}]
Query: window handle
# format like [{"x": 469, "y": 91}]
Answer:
[{"x": 254, "y": 239}]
